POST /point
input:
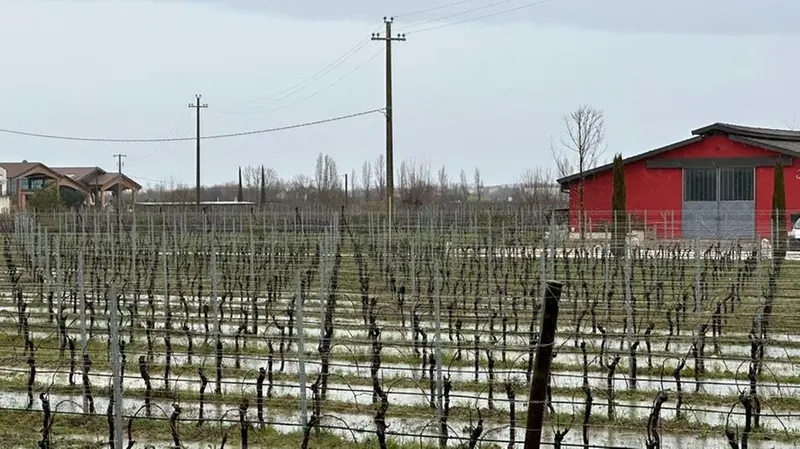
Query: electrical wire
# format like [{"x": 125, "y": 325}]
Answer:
[
  {"x": 291, "y": 90},
  {"x": 179, "y": 139},
  {"x": 317, "y": 92},
  {"x": 175, "y": 130},
  {"x": 460, "y": 13},
  {"x": 470, "y": 19},
  {"x": 278, "y": 96},
  {"x": 433, "y": 8}
]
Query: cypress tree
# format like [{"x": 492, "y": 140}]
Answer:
[
  {"x": 619, "y": 225},
  {"x": 262, "y": 199},
  {"x": 240, "y": 193},
  {"x": 779, "y": 238}
]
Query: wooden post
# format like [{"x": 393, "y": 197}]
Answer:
[{"x": 541, "y": 367}]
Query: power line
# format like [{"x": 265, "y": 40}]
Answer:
[
  {"x": 183, "y": 139},
  {"x": 484, "y": 16},
  {"x": 335, "y": 82},
  {"x": 460, "y": 13},
  {"x": 299, "y": 86},
  {"x": 176, "y": 129},
  {"x": 433, "y": 8},
  {"x": 317, "y": 92},
  {"x": 291, "y": 90}
]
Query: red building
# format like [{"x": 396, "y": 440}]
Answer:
[{"x": 716, "y": 184}]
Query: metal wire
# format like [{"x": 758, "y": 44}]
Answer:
[{"x": 701, "y": 305}]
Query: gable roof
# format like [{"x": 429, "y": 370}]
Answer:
[
  {"x": 15, "y": 170},
  {"x": 781, "y": 141},
  {"x": 747, "y": 131},
  {"x": 79, "y": 173},
  {"x": 108, "y": 179},
  {"x": 648, "y": 154}
]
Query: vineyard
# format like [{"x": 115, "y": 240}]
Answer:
[{"x": 313, "y": 328}]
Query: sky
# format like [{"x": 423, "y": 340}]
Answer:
[{"x": 477, "y": 83}]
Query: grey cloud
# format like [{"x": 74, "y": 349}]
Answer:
[{"x": 727, "y": 17}]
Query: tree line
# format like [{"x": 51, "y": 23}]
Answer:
[{"x": 418, "y": 184}]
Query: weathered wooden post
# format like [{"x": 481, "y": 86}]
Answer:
[{"x": 541, "y": 367}]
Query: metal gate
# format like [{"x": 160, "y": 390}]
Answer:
[
  {"x": 718, "y": 203},
  {"x": 701, "y": 219}
]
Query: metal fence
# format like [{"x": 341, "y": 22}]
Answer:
[{"x": 323, "y": 319}]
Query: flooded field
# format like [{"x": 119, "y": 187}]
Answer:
[{"x": 335, "y": 330}]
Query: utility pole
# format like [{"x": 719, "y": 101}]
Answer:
[
  {"x": 388, "y": 38},
  {"x": 119, "y": 157},
  {"x": 116, "y": 368},
  {"x": 197, "y": 106}
]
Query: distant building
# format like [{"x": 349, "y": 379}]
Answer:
[
  {"x": 5, "y": 201},
  {"x": 716, "y": 184},
  {"x": 20, "y": 180}
]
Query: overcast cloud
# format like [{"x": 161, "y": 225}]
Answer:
[
  {"x": 732, "y": 17},
  {"x": 487, "y": 93}
]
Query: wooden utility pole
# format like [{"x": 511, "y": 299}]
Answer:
[
  {"x": 119, "y": 157},
  {"x": 388, "y": 38},
  {"x": 197, "y": 106},
  {"x": 541, "y": 365},
  {"x": 345, "y": 189}
]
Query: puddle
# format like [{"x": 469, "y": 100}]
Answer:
[
  {"x": 420, "y": 396},
  {"x": 424, "y": 431}
]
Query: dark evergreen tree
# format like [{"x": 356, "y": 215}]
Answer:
[
  {"x": 262, "y": 199},
  {"x": 619, "y": 225},
  {"x": 779, "y": 236},
  {"x": 240, "y": 193}
]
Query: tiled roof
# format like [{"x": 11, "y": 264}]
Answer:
[
  {"x": 14, "y": 169},
  {"x": 77, "y": 173}
]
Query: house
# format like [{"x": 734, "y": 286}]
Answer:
[
  {"x": 716, "y": 184},
  {"x": 99, "y": 183},
  {"x": 23, "y": 179},
  {"x": 5, "y": 201}
]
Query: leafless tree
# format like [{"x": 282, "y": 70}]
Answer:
[
  {"x": 326, "y": 179},
  {"x": 366, "y": 179},
  {"x": 301, "y": 187},
  {"x": 580, "y": 148},
  {"x": 478, "y": 184},
  {"x": 271, "y": 181},
  {"x": 353, "y": 183},
  {"x": 537, "y": 186},
  {"x": 444, "y": 183},
  {"x": 252, "y": 178},
  {"x": 416, "y": 184},
  {"x": 379, "y": 168},
  {"x": 463, "y": 186}
]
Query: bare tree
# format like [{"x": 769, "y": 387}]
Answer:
[
  {"x": 300, "y": 187},
  {"x": 478, "y": 184},
  {"x": 379, "y": 168},
  {"x": 262, "y": 188},
  {"x": 251, "y": 181},
  {"x": 366, "y": 179},
  {"x": 353, "y": 183},
  {"x": 463, "y": 185},
  {"x": 326, "y": 179},
  {"x": 256, "y": 176},
  {"x": 444, "y": 183},
  {"x": 580, "y": 148},
  {"x": 416, "y": 184},
  {"x": 537, "y": 186}
]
